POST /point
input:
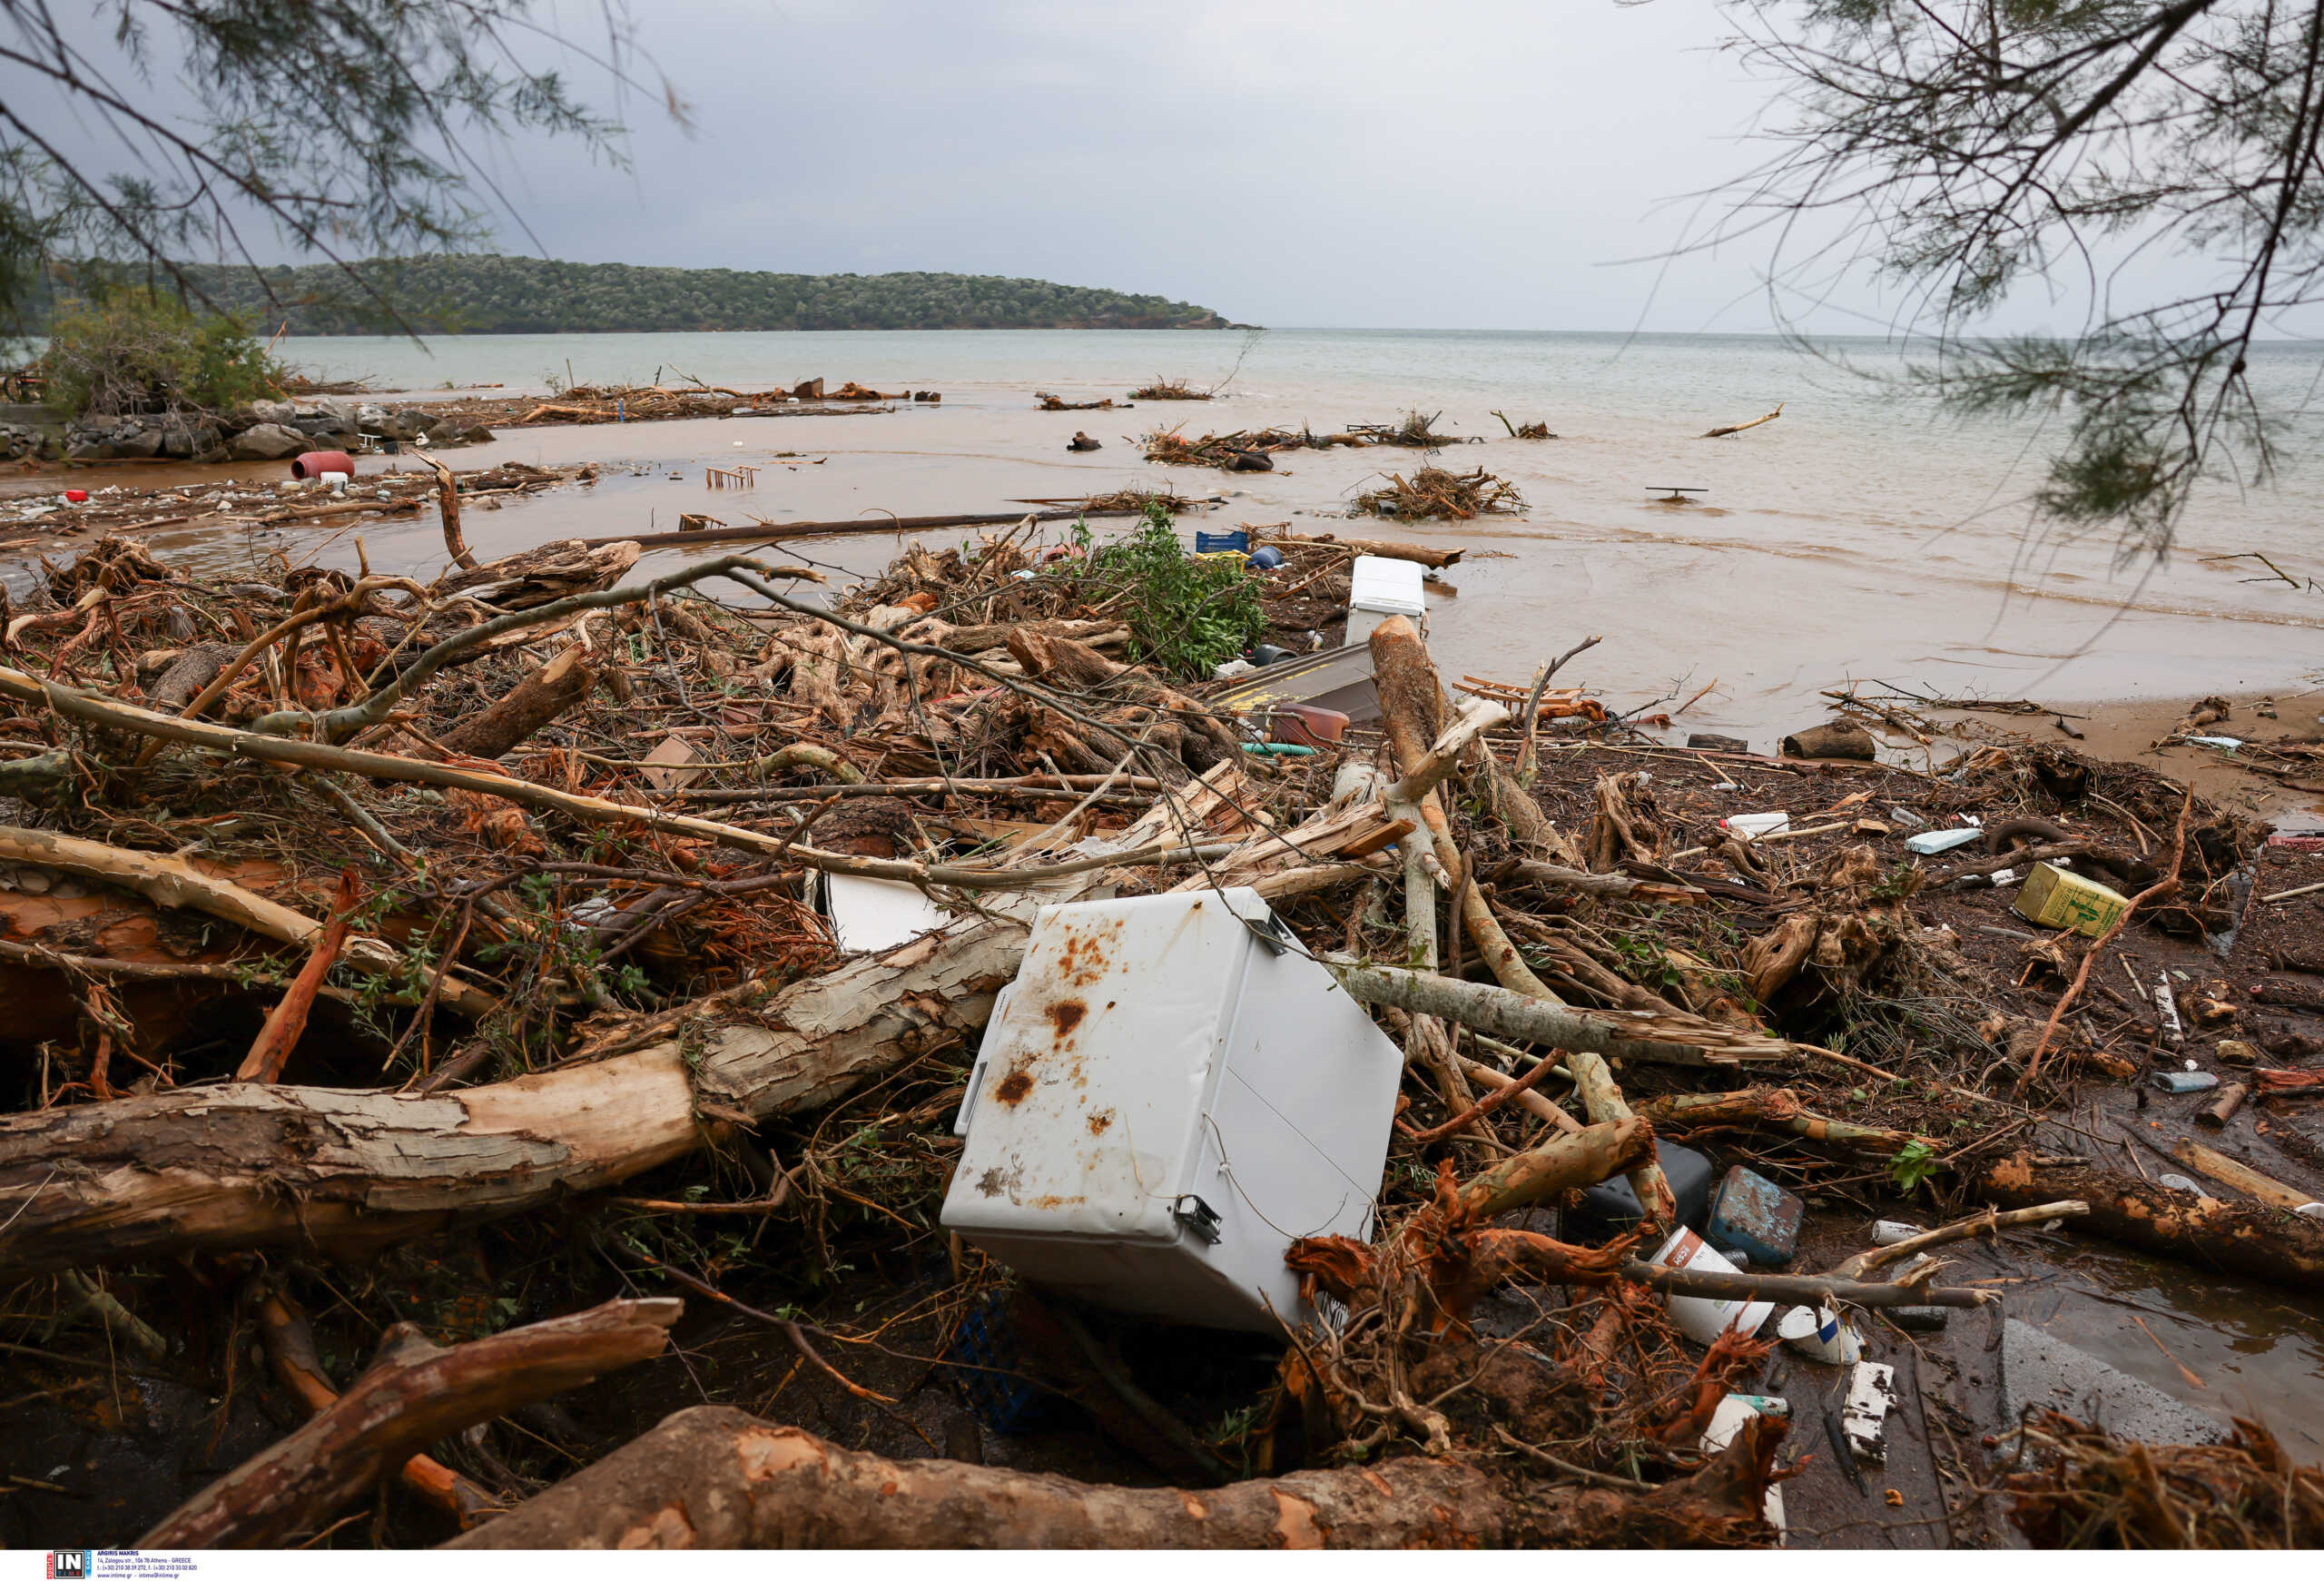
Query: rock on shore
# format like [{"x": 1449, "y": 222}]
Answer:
[{"x": 265, "y": 431}]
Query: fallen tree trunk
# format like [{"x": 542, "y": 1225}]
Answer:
[
  {"x": 238, "y": 1166},
  {"x": 1777, "y": 1107},
  {"x": 2263, "y": 1244},
  {"x": 413, "y": 1395},
  {"x": 713, "y": 1478},
  {"x": 1563, "y": 1163},
  {"x": 1632, "y": 1034},
  {"x": 562, "y": 684}
]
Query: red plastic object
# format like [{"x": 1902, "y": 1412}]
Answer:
[
  {"x": 76, "y": 496},
  {"x": 1306, "y": 725},
  {"x": 315, "y": 463}
]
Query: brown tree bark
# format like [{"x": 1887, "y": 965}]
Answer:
[
  {"x": 2260, "y": 1242},
  {"x": 240, "y": 1166},
  {"x": 1562, "y": 1164},
  {"x": 712, "y": 1478},
  {"x": 190, "y": 671},
  {"x": 563, "y": 683},
  {"x": 1842, "y": 738},
  {"x": 297, "y": 1366},
  {"x": 1680, "y": 1039},
  {"x": 447, "y": 499},
  {"x": 413, "y": 1395}
]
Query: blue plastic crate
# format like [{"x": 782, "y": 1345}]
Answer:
[
  {"x": 1211, "y": 543},
  {"x": 990, "y": 1356}
]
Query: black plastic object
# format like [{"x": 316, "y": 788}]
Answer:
[
  {"x": 1608, "y": 1209},
  {"x": 1266, "y": 653}
]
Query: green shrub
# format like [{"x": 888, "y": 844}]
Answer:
[
  {"x": 1187, "y": 616},
  {"x": 133, "y": 350}
]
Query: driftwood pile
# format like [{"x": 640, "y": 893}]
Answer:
[
  {"x": 114, "y": 510},
  {"x": 1251, "y": 449},
  {"x": 437, "y": 968},
  {"x": 1412, "y": 432},
  {"x": 1243, "y": 450},
  {"x": 589, "y": 403},
  {"x": 1434, "y": 493},
  {"x": 1163, "y": 389}
]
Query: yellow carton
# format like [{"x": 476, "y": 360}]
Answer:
[{"x": 2058, "y": 899}]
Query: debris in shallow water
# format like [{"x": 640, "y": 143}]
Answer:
[{"x": 1433, "y": 493}]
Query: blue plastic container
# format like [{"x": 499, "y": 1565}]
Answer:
[
  {"x": 991, "y": 1358},
  {"x": 1211, "y": 543},
  {"x": 1752, "y": 1214}
]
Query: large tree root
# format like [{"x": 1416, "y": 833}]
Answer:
[{"x": 712, "y": 1478}]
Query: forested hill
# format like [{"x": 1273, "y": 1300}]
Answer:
[{"x": 486, "y": 294}]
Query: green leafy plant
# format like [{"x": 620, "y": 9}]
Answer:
[
  {"x": 135, "y": 351},
  {"x": 1912, "y": 1165},
  {"x": 1187, "y": 616}
]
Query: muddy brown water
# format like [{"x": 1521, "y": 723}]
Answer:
[{"x": 1847, "y": 541}]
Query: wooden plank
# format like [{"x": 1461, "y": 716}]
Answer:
[{"x": 2242, "y": 1177}]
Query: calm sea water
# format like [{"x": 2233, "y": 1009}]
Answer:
[{"x": 1858, "y": 536}]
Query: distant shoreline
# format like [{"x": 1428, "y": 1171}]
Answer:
[{"x": 494, "y": 294}]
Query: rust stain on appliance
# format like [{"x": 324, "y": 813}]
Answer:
[{"x": 1065, "y": 1015}]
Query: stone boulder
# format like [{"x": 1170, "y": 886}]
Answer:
[
  {"x": 266, "y": 441},
  {"x": 137, "y": 441}
]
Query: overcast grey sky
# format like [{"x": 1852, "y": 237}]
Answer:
[
  {"x": 1480, "y": 163},
  {"x": 1470, "y": 164}
]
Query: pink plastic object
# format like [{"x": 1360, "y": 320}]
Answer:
[{"x": 316, "y": 462}]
